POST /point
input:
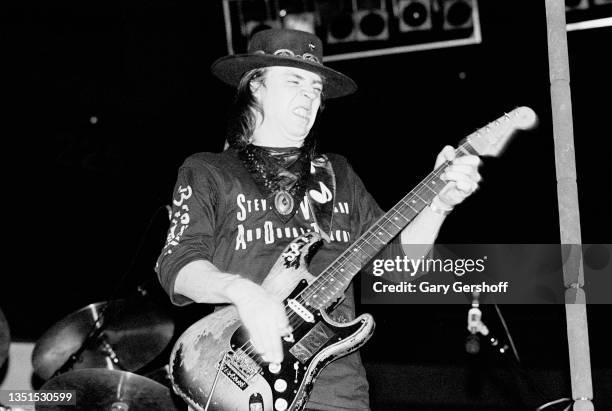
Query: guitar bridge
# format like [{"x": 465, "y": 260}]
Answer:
[{"x": 240, "y": 368}]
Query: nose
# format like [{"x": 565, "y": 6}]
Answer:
[{"x": 309, "y": 92}]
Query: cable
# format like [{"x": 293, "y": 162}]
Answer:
[
  {"x": 510, "y": 340},
  {"x": 560, "y": 400}
]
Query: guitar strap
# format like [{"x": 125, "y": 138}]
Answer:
[{"x": 321, "y": 194}]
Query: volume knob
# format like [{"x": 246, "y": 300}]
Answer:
[
  {"x": 280, "y": 385},
  {"x": 280, "y": 404}
]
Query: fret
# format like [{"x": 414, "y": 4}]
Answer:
[
  {"x": 417, "y": 205},
  {"x": 342, "y": 269},
  {"x": 383, "y": 228},
  {"x": 382, "y": 236},
  {"x": 431, "y": 189},
  {"x": 372, "y": 246},
  {"x": 394, "y": 225},
  {"x": 411, "y": 206},
  {"x": 464, "y": 150},
  {"x": 405, "y": 211},
  {"x": 420, "y": 198}
]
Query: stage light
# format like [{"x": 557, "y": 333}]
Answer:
[
  {"x": 256, "y": 15},
  {"x": 372, "y": 24},
  {"x": 359, "y": 28},
  {"x": 341, "y": 28},
  {"x": 298, "y": 21},
  {"x": 585, "y": 14},
  {"x": 457, "y": 14},
  {"x": 413, "y": 15},
  {"x": 576, "y": 5},
  {"x": 371, "y": 20}
]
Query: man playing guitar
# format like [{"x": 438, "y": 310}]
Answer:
[{"x": 235, "y": 212}]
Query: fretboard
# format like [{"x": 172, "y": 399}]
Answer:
[{"x": 332, "y": 282}]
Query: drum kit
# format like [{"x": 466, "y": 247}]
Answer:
[{"x": 97, "y": 352}]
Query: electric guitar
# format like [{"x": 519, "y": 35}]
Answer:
[{"x": 213, "y": 365}]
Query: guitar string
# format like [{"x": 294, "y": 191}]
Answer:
[
  {"x": 247, "y": 348},
  {"x": 465, "y": 145},
  {"x": 294, "y": 319},
  {"x": 386, "y": 218}
]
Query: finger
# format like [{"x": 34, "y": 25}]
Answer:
[
  {"x": 461, "y": 182},
  {"x": 286, "y": 330},
  {"x": 257, "y": 344},
  {"x": 281, "y": 316},
  {"x": 462, "y": 168},
  {"x": 465, "y": 186},
  {"x": 449, "y": 195},
  {"x": 274, "y": 350},
  {"x": 468, "y": 159},
  {"x": 457, "y": 176},
  {"x": 447, "y": 154}
]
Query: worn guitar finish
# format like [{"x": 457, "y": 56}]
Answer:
[{"x": 215, "y": 352}]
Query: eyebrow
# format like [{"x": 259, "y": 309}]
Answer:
[{"x": 316, "y": 81}]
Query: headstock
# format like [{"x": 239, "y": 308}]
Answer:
[{"x": 492, "y": 138}]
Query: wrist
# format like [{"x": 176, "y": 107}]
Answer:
[
  {"x": 237, "y": 289},
  {"x": 440, "y": 207}
]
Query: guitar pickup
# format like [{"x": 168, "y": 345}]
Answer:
[{"x": 300, "y": 310}]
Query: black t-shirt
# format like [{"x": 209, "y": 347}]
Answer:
[{"x": 220, "y": 215}]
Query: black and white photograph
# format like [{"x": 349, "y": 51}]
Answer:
[{"x": 307, "y": 205}]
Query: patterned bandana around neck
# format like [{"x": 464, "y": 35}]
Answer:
[{"x": 280, "y": 173}]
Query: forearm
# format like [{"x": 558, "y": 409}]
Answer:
[
  {"x": 261, "y": 314},
  {"x": 202, "y": 282},
  {"x": 418, "y": 237}
]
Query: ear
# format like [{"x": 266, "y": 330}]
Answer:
[{"x": 255, "y": 87}]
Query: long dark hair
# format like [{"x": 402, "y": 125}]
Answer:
[{"x": 243, "y": 118}]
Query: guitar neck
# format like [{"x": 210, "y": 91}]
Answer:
[{"x": 330, "y": 284}]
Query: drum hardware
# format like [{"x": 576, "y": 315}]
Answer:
[
  {"x": 113, "y": 390},
  {"x": 124, "y": 334}
]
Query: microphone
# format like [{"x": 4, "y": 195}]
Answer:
[{"x": 475, "y": 326}]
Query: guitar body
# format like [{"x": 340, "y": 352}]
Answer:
[{"x": 199, "y": 351}]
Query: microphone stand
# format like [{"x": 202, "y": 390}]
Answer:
[{"x": 477, "y": 326}]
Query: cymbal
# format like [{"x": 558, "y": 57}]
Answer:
[
  {"x": 101, "y": 389},
  {"x": 135, "y": 330},
  {"x": 5, "y": 338}
]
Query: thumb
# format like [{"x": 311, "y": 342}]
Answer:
[{"x": 447, "y": 154}]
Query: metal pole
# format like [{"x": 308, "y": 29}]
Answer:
[{"x": 569, "y": 213}]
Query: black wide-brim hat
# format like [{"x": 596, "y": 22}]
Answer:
[{"x": 284, "y": 47}]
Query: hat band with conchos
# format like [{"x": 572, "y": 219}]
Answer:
[{"x": 284, "y": 47}]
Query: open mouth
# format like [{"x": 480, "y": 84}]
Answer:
[{"x": 302, "y": 112}]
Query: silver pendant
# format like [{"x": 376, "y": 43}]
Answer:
[{"x": 283, "y": 202}]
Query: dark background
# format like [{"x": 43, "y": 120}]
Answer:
[{"x": 86, "y": 201}]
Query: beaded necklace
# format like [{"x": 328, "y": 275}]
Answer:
[{"x": 280, "y": 173}]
